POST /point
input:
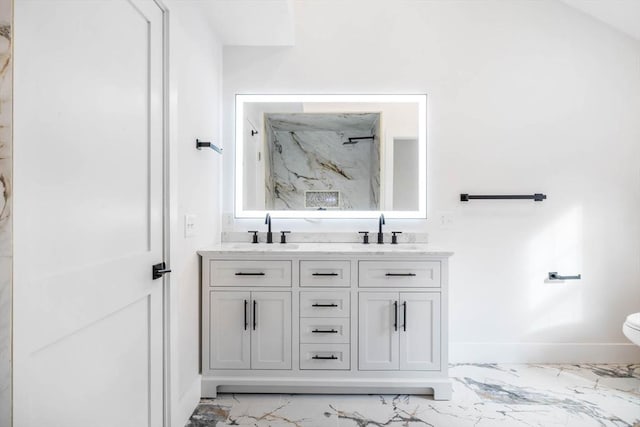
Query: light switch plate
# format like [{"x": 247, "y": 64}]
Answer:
[
  {"x": 446, "y": 219},
  {"x": 189, "y": 225}
]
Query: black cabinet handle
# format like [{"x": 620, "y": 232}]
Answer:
[
  {"x": 401, "y": 274},
  {"x": 320, "y": 331},
  {"x": 395, "y": 315},
  {"x": 332, "y": 357},
  {"x": 249, "y": 274},
  {"x": 246, "y": 324},
  {"x": 324, "y": 305},
  {"x": 254, "y": 314},
  {"x": 324, "y": 274},
  {"x": 404, "y": 307}
]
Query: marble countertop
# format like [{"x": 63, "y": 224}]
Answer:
[{"x": 342, "y": 248}]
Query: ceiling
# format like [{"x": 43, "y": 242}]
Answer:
[
  {"x": 271, "y": 22},
  {"x": 250, "y": 22},
  {"x": 623, "y": 15}
]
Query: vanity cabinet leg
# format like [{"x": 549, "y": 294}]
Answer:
[
  {"x": 209, "y": 391},
  {"x": 442, "y": 392}
]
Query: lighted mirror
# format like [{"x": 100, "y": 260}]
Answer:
[{"x": 331, "y": 156}]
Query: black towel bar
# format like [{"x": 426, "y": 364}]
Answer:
[{"x": 538, "y": 197}]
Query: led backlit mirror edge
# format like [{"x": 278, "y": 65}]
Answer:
[{"x": 242, "y": 99}]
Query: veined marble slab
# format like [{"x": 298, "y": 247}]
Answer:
[
  {"x": 483, "y": 396},
  {"x": 6, "y": 238},
  {"x": 334, "y": 248}
]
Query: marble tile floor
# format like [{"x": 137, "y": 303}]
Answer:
[{"x": 483, "y": 395}]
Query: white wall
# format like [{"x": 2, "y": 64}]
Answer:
[
  {"x": 524, "y": 97},
  {"x": 195, "y": 79}
]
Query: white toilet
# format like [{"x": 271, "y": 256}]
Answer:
[{"x": 631, "y": 328}]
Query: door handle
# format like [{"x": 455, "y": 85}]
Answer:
[
  {"x": 400, "y": 274},
  {"x": 254, "y": 314},
  {"x": 246, "y": 324},
  {"x": 324, "y": 274},
  {"x": 320, "y": 331},
  {"x": 158, "y": 270},
  {"x": 249, "y": 274},
  {"x": 332, "y": 357},
  {"x": 404, "y": 308},
  {"x": 324, "y": 305},
  {"x": 395, "y": 315},
  {"x": 555, "y": 276}
]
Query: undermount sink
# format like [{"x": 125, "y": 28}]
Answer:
[
  {"x": 387, "y": 247},
  {"x": 264, "y": 246}
]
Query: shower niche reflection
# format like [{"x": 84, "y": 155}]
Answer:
[{"x": 331, "y": 155}]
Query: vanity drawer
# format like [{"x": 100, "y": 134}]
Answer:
[
  {"x": 250, "y": 273},
  {"x": 324, "y": 356},
  {"x": 324, "y": 304},
  {"x": 325, "y": 273},
  {"x": 382, "y": 274},
  {"x": 324, "y": 330}
]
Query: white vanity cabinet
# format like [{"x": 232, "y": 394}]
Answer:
[
  {"x": 399, "y": 331},
  {"x": 250, "y": 330},
  {"x": 333, "y": 319}
]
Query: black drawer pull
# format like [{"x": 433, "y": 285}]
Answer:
[
  {"x": 249, "y": 274},
  {"x": 332, "y": 357},
  {"x": 401, "y": 274},
  {"x": 320, "y": 331},
  {"x": 324, "y": 305},
  {"x": 324, "y": 274}
]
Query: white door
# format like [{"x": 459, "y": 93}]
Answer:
[
  {"x": 419, "y": 331},
  {"x": 230, "y": 332},
  {"x": 271, "y": 330},
  {"x": 88, "y": 213},
  {"x": 378, "y": 331}
]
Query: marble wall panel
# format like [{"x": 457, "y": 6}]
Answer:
[
  {"x": 6, "y": 241},
  {"x": 310, "y": 155}
]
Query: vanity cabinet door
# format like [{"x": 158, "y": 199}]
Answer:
[
  {"x": 229, "y": 331},
  {"x": 419, "y": 325},
  {"x": 271, "y": 330},
  {"x": 378, "y": 343}
]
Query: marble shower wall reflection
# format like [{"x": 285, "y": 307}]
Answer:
[
  {"x": 6, "y": 245},
  {"x": 322, "y": 160}
]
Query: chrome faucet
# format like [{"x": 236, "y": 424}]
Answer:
[
  {"x": 267, "y": 220},
  {"x": 380, "y": 235}
]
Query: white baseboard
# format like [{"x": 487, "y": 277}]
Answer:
[
  {"x": 465, "y": 352},
  {"x": 182, "y": 410}
]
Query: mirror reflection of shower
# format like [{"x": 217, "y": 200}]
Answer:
[{"x": 308, "y": 167}]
